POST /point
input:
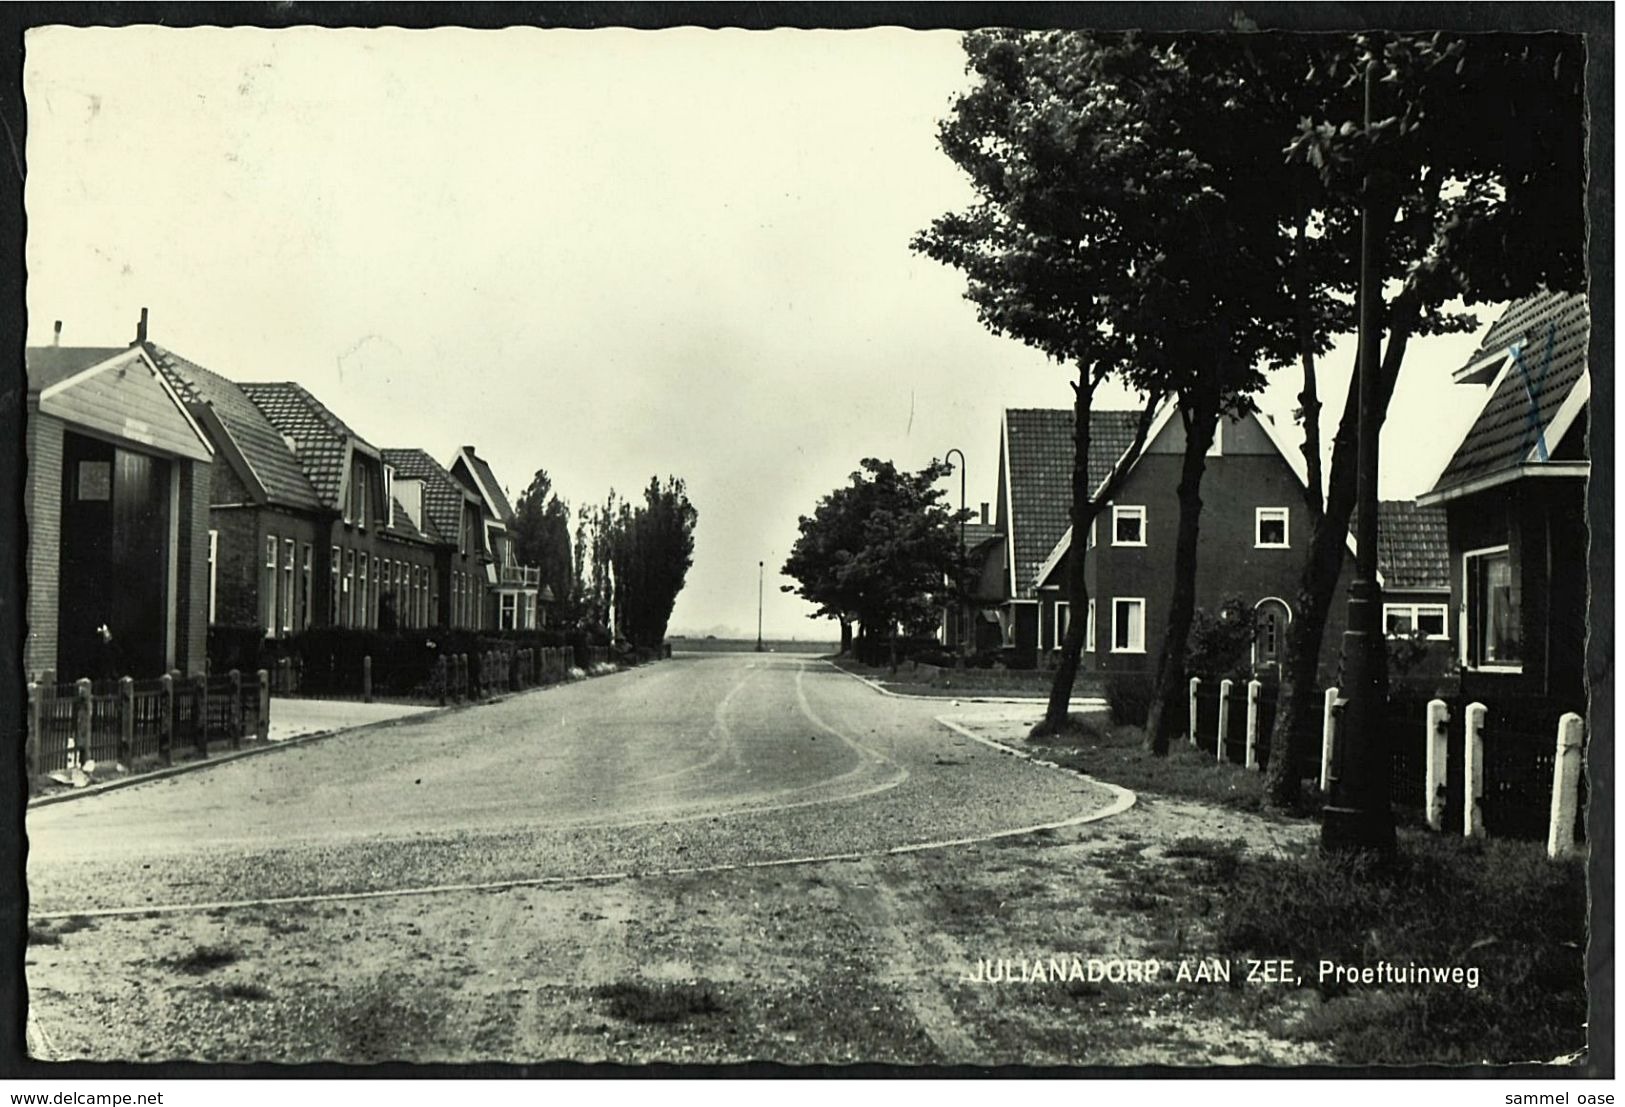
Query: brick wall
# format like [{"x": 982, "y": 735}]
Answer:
[
  {"x": 237, "y": 554},
  {"x": 42, "y": 509}
]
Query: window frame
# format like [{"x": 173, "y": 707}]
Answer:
[
  {"x": 1467, "y": 605},
  {"x": 1414, "y": 610},
  {"x": 1130, "y": 511},
  {"x": 214, "y": 570},
  {"x": 349, "y": 588},
  {"x": 268, "y": 607},
  {"x": 306, "y": 607},
  {"x": 1089, "y": 628},
  {"x": 1118, "y": 601},
  {"x": 1267, "y": 514},
  {"x": 288, "y": 549},
  {"x": 335, "y": 568},
  {"x": 1059, "y": 620}
]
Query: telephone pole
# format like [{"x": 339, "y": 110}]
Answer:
[{"x": 758, "y": 607}]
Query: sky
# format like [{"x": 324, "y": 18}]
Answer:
[{"x": 607, "y": 254}]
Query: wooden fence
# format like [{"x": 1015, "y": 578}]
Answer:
[{"x": 129, "y": 721}]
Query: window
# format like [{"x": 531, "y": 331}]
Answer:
[
  {"x": 1063, "y": 612},
  {"x": 363, "y": 608},
  {"x": 349, "y": 588},
  {"x": 358, "y": 495},
  {"x": 510, "y": 610},
  {"x": 309, "y": 580},
  {"x": 287, "y": 586},
  {"x": 1128, "y": 626},
  {"x": 1128, "y": 526},
  {"x": 1270, "y": 528},
  {"x": 268, "y": 588},
  {"x": 372, "y": 596},
  {"x": 1401, "y": 620},
  {"x": 214, "y": 551},
  {"x": 422, "y": 576},
  {"x": 1092, "y": 531},
  {"x": 333, "y": 587},
  {"x": 389, "y": 492},
  {"x": 1089, "y": 629},
  {"x": 1492, "y": 615}
]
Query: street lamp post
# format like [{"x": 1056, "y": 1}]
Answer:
[
  {"x": 1357, "y": 817},
  {"x": 759, "y": 607},
  {"x": 959, "y": 559}
]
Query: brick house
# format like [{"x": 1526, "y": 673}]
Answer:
[
  {"x": 1253, "y": 538},
  {"x": 1514, "y": 494},
  {"x": 513, "y": 591},
  {"x": 268, "y": 528},
  {"x": 116, "y": 502},
  {"x": 434, "y": 498},
  {"x": 974, "y": 623},
  {"x": 376, "y": 565}
]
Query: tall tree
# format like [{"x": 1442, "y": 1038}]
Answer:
[
  {"x": 1475, "y": 162},
  {"x": 541, "y": 537},
  {"x": 1067, "y": 248},
  {"x": 877, "y": 551}
]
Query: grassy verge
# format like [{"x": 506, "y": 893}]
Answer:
[
  {"x": 1033, "y": 683},
  {"x": 1117, "y": 753}
]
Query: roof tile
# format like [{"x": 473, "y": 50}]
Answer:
[{"x": 1413, "y": 548}]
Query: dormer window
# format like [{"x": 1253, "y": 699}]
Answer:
[{"x": 389, "y": 491}]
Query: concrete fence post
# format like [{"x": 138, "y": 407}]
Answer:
[
  {"x": 263, "y": 730},
  {"x": 235, "y": 709},
  {"x": 126, "y": 719},
  {"x": 1565, "y": 786},
  {"x": 166, "y": 718},
  {"x": 1328, "y": 739},
  {"x": 1472, "y": 815},
  {"x": 284, "y": 669},
  {"x": 32, "y": 742},
  {"x": 440, "y": 677},
  {"x": 366, "y": 679},
  {"x": 1436, "y": 747},
  {"x": 1254, "y": 688},
  {"x": 1196, "y": 690},
  {"x": 1224, "y": 717},
  {"x": 79, "y": 741}
]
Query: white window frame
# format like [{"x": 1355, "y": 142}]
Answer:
[
  {"x": 1414, "y": 612},
  {"x": 1465, "y": 617},
  {"x": 308, "y": 607},
  {"x": 287, "y": 585},
  {"x": 1089, "y": 628},
  {"x": 1132, "y": 647},
  {"x": 508, "y": 613},
  {"x": 214, "y": 567},
  {"x": 1060, "y": 619},
  {"x": 1260, "y": 515},
  {"x": 268, "y": 601},
  {"x": 335, "y": 570},
  {"x": 1129, "y": 511},
  {"x": 1092, "y": 523}
]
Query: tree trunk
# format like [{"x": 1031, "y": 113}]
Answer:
[
  {"x": 846, "y": 638},
  {"x": 1318, "y": 581},
  {"x": 1077, "y": 587},
  {"x": 1169, "y": 697}
]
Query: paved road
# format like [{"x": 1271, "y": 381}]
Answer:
[{"x": 699, "y": 761}]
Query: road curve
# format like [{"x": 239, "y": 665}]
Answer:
[{"x": 704, "y": 760}]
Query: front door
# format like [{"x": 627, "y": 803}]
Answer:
[{"x": 1269, "y": 644}]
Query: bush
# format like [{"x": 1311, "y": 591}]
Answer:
[
  {"x": 1128, "y": 697},
  {"x": 1221, "y": 643},
  {"x": 236, "y": 648}
]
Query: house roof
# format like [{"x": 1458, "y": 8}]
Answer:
[
  {"x": 321, "y": 439},
  {"x": 1413, "y": 550},
  {"x": 978, "y": 533},
  {"x": 1537, "y": 353},
  {"x": 48, "y": 365},
  {"x": 257, "y": 443},
  {"x": 443, "y": 495},
  {"x": 488, "y": 485},
  {"x": 1038, "y": 445}
]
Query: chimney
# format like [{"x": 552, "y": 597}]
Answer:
[
  {"x": 984, "y": 514},
  {"x": 141, "y": 329},
  {"x": 56, "y": 333}
]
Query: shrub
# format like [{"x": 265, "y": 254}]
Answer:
[
  {"x": 236, "y": 648},
  {"x": 1220, "y": 643},
  {"x": 1128, "y": 697}
]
